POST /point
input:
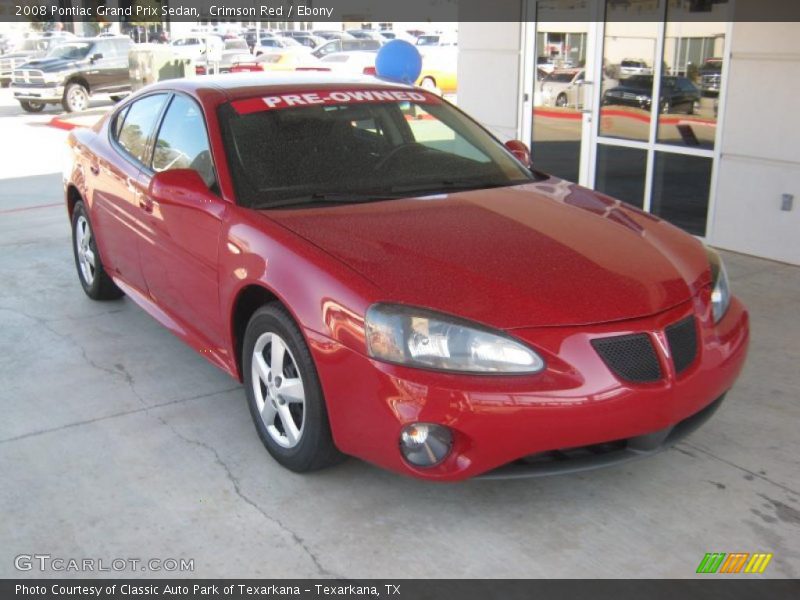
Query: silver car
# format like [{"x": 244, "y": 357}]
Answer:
[
  {"x": 563, "y": 88},
  {"x": 633, "y": 66}
]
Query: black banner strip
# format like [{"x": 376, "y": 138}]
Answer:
[
  {"x": 378, "y": 11},
  {"x": 709, "y": 587}
]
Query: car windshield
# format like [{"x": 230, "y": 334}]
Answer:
[
  {"x": 350, "y": 146},
  {"x": 73, "y": 51}
]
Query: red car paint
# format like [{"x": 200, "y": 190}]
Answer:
[{"x": 551, "y": 263}]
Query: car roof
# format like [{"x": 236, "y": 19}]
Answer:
[
  {"x": 247, "y": 85},
  {"x": 88, "y": 40}
]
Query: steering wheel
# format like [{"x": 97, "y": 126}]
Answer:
[{"x": 395, "y": 151}]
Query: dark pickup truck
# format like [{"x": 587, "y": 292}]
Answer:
[{"x": 72, "y": 72}]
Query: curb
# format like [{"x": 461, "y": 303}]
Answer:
[{"x": 60, "y": 123}]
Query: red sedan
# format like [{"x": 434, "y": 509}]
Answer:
[{"x": 391, "y": 282}]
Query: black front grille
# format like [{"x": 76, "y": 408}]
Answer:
[
  {"x": 682, "y": 340},
  {"x": 630, "y": 357}
]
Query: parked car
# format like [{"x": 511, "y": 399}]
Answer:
[
  {"x": 197, "y": 45},
  {"x": 563, "y": 88},
  {"x": 545, "y": 64},
  {"x": 436, "y": 39},
  {"x": 279, "y": 59},
  {"x": 304, "y": 38},
  {"x": 234, "y": 50},
  {"x": 272, "y": 44},
  {"x": 250, "y": 36},
  {"x": 332, "y": 34},
  {"x": 354, "y": 63},
  {"x": 710, "y": 73},
  {"x": 32, "y": 47},
  {"x": 352, "y": 45},
  {"x": 630, "y": 67},
  {"x": 73, "y": 72},
  {"x": 367, "y": 34},
  {"x": 439, "y": 69},
  {"x": 678, "y": 94},
  {"x": 406, "y": 291}
]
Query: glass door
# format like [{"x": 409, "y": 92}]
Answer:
[
  {"x": 655, "y": 142},
  {"x": 563, "y": 85}
]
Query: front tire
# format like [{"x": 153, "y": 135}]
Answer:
[
  {"x": 76, "y": 98},
  {"x": 94, "y": 280},
  {"x": 31, "y": 106},
  {"x": 284, "y": 393}
]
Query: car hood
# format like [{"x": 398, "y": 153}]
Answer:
[
  {"x": 52, "y": 65},
  {"x": 541, "y": 254}
]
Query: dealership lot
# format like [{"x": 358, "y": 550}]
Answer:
[{"x": 120, "y": 442}]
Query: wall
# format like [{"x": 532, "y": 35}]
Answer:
[
  {"x": 760, "y": 158},
  {"x": 489, "y": 74}
]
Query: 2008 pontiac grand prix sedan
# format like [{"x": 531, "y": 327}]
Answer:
[{"x": 391, "y": 282}]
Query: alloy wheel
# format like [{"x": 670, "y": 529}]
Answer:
[
  {"x": 83, "y": 245},
  {"x": 278, "y": 389},
  {"x": 78, "y": 100}
]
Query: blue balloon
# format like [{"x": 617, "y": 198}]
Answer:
[{"x": 400, "y": 61}]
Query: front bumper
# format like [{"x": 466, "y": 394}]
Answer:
[
  {"x": 39, "y": 93},
  {"x": 576, "y": 402}
]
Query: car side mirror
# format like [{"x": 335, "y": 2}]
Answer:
[
  {"x": 179, "y": 186},
  {"x": 520, "y": 151},
  {"x": 96, "y": 56}
]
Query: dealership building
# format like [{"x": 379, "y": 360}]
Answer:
[{"x": 575, "y": 80}]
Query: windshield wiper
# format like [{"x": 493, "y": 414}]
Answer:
[
  {"x": 449, "y": 186},
  {"x": 333, "y": 198}
]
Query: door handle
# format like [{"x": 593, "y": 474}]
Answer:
[
  {"x": 145, "y": 203},
  {"x": 94, "y": 169}
]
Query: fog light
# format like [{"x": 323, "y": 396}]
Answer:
[{"x": 425, "y": 444}]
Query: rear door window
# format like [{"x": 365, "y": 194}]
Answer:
[
  {"x": 137, "y": 130},
  {"x": 182, "y": 141}
]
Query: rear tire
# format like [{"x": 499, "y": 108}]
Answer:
[
  {"x": 93, "y": 277},
  {"x": 31, "y": 106},
  {"x": 293, "y": 425}
]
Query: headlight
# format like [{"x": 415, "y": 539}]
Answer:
[
  {"x": 721, "y": 292},
  {"x": 420, "y": 338}
]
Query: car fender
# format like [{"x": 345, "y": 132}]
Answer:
[{"x": 256, "y": 251}]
